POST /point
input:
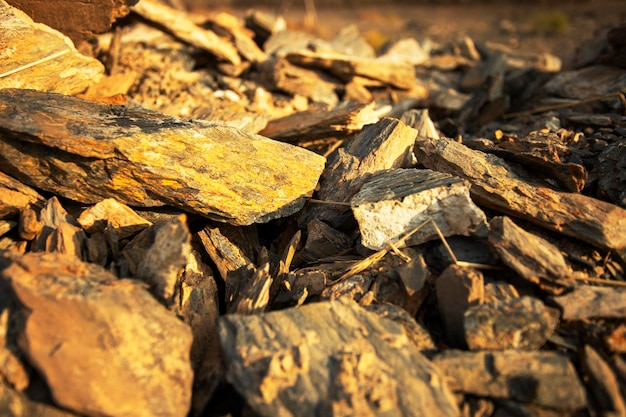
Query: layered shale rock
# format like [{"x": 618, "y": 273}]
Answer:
[{"x": 87, "y": 151}]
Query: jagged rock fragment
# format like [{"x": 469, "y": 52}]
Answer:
[{"x": 89, "y": 333}]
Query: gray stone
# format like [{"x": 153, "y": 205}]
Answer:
[{"x": 393, "y": 203}]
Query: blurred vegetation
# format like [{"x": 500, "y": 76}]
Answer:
[{"x": 550, "y": 23}]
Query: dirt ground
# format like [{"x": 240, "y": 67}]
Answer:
[{"x": 547, "y": 26}]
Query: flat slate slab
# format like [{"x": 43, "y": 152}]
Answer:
[{"x": 89, "y": 151}]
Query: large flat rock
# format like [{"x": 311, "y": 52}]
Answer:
[{"x": 88, "y": 151}]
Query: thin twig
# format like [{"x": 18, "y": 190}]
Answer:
[
  {"x": 334, "y": 203},
  {"x": 333, "y": 147},
  {"x": 445, "y": 242},
  {"x": 601, "y": 281},
  {"x": 34, "y": 63}
]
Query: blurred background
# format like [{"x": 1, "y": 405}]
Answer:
[{"x": 556, "y": 26}]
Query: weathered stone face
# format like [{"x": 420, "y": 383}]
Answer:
[
  {"x": 104, "y": 346},
  {"x": 143, "y": 158}
]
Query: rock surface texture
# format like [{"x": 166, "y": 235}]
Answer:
[
  {"x": 83, "y": 322},
  {"x": 147, "y": 159}
]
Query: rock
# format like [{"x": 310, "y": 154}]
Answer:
[
  {"x": 406, "y": 50},
  {"x": 585, "y": 83},
  {"x": 6, "y": 226},
  {"x": 458, "y": 288},
  {"x": 198, "y": 305},
  {"x": 231, "y": 26},
  {"x": 531, "y": 256},
  {"x": 545, "y": 155},
  {"x": 521, "y": 323},
  {"x": 393, "y": 203},
  {"x": 496, "y": 185},
  {"x": 15, "y": 196},
  {"x": 586, "y": 301},
  {"x": 180, "y": 25},
  {"x": 264, "y": 24},
  {"x": 60, "y": 232},
  {"x": 616, "y": 340},
  {"x": 350, "y": 42},
  {"x": 397, "y": 74},
  {"x": 80, "y": 21},
  {"x": 603, "y": 384},
  {"x": 547, "y": 379},
  {"x": 147, "y": 159},
  {"x": 421, "y": 121},
  {"x": 542, "y": 61},
  {"x": 414, "y": 275},
  {"x": 285, "y": 41},
  {"x": 30, "y": 226},
  {"x": 158, "y": 255},
  {"x": 323, "y": 241},
  {"x": 279, "y": 74},
  {"x": 89, "y": 333},
  {"x": 225, "y": 246},
  {"x": 466, "y": 249},
  {"x": 342, "y": 359},
  {"x": 500, "y": 291},
  {"x": 616, "y": 37},
  {"x": 111, "y": 212},
  {"x": 15, "y": 404},
  {"x": 419, "y": 336},
  {"x": 353, "y": 287},
  {"x": 39, "y": 57},
  {"x": 378, "y": 147},
  {"x": 248, "y": 291},
  {"x": 299, "y": 285},
  {"x": 12, "y": 369},
  {"x": 343, "y": 120},
  {"x": 611, "y": 176}
]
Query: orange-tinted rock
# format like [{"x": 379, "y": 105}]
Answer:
[
  {"x": 88, "y": 151},
  {"x": 103, "y": 345}
]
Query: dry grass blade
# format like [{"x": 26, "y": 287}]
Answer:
[
  {"x": 401, "y": 255},
  {"x": 333, "y": 148},
  {"x": 601, "y": 281},
  {"x": 335, "y": 203},
  {"x": 287, "y": 257},
  {"x": 480, "y": 266},
  {"x": 444, "y": 241},
  {"x": 363, "y": 264},
  {"x": 35, "y": 63}
]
